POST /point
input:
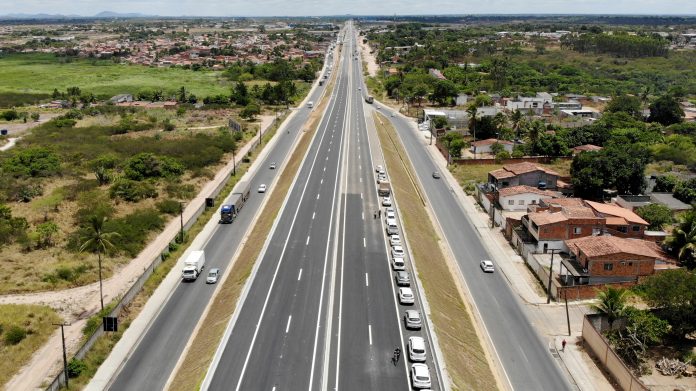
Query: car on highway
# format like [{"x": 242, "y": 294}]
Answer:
[
  {"x": 272, "y": 166},
  {"x": 213, "y": 276},
  {"x": 412, "y": 319},
  {"x": 398, "y": 263},
  {"x": 487, "y": 266},
  {"x": 406, "y": 296},
  {"x": 420, "y": 376},
  {"x": 436, "y": 175},
  {"x": 379, "y": 168},
  {"x": 397, "y": 251},
  {"x": 386, "y": 201},
  {"x": 381, "y": 178},
  {"x": 390, "y": 214},
  {"x": 394, "y": 240},
  {"x": 416, "y": 349},
  {"x": 402, "y": 278},
  {"x": 262, "y": 188}
]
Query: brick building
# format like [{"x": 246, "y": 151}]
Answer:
[{"x": 528, "y": 174}]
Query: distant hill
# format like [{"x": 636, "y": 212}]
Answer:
[{"x": 101, "y": 15}]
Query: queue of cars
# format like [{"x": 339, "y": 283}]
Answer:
[{"x": 416, "y": 345}]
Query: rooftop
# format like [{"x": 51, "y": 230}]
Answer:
[
  {"x": 490, "y": 141},
  {"x": 617, "y": 211},
  {"x": 523, "y": 189},
  {"x": 599, "y": 246}
]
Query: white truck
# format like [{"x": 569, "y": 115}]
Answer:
[{"x": 193, "y": 265}]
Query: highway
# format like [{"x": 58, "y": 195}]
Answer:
[
  {"x": 153, "y": 359},
  {"x": 525, "y": 356},
  {"x": 321, "y": 311}
]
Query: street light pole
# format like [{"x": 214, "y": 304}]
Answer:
[
  {"x": 181, "y": 220},
  {"x": 548, "y": 296},
  {"x": 65, "y": 356}
]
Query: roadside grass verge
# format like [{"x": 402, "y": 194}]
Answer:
[
  {"x": 192, "y": 370},
  {"x": 466, "y": 361},
  {"x": 104, "y": 344},
  {"x": 23, "y": 330}
]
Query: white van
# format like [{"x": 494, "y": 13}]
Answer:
[
  {"x": 310, "y": 104},
  {"x": 391, "y": 227}
]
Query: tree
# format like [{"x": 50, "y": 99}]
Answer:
[
  {"x": 181, "y": 95},
  {"x": 100, "y": 241},
  {"x": 611, "y": 302},
  {"x": 683, "y": 239},
  {"x": 672, "y": 293},
  {"x": 250, "y": 111},
  {"x": 657, "y": 215},
  {"x": 665, "y": 183},
  {"x": 472, "y": 112},
  {"x": 666, "y": 110},
  {"x": 685, "y": 191},
  {"x": 517, "y": 120},
  {"x": 443, "y": 92},
  {"x": 630, "y": 105},
  {"x": 45, "y": 232}
]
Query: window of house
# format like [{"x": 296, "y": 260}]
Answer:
[
  {"x": 533, "y": 202},
  {"x": 520, "y": 202},
  {"x": 577, "y": 230},
  {"x": 630, "y": 264},
  {"x": 608, "y": 266},
  {"x": 511, "y": 202},
  {"x": 622, "y": 228},
  {"x": 636, "y": 228},
  {"x": 505, "y": 183}
]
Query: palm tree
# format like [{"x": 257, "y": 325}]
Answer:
[
  {"x": 517, "y": 120},
  {"x": 683, "y": 239},
  {"x": 612, "y": 303},
  {"x": 98, "y": 240},
  {"x": 472, "y": 111}
]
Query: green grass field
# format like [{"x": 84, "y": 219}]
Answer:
[{"x": 41, "y": 73}]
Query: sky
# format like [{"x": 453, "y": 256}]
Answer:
[{"x": 341, "y": 7}]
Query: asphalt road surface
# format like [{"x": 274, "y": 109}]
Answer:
[
  {"x": 152, "y": 361},
  {"x": 525, "y": 356}
]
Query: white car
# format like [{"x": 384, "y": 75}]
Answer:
[
  {"x": 416, "y": 349},
  {"x": 272, "y": 166},
  {"x": 390, "y": 214},
  {"x": 397, "y": 252},
  {"x": 379, "y": 168},
  {"x": 406, "y": 296},
  {"x": 262, "y": 188},
  {"x": 420, "y": 376},
  {"x": 412, "y": 319},
  {"x": 487, "y": 266},
  {"x": 386, "y": 201},
  {"x": 398, "y": 263},
  {"x": 213, "y": 276},
  {"x": 394, "y": 240}
]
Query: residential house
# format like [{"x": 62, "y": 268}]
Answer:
[
  {"x": 585, "y": 148},
  {"x": 540, "y": 104},
  {"x": 594, "y": 262},
  {"x": 620, "y": 221},
  {"x": 525, "y": 173},
  {"x": 517, "y": 198},
  {"x": 121, "y": 98},
  {"x": 436, "y": 74},
  {"x": 553, "y": 221},
  {"x": 484, "y": 146}
]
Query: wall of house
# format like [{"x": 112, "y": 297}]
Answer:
[
  {"x": 558, "y": 245},
  {"x": 630, "y": 233},
  {"x": 526, "y": 199},
  {"x": 626, "y": 265},
  {"x": 566, "y": 229},
  {"x": 533, "y": 179}
]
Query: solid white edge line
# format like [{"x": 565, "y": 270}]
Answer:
[
  {"x": 299, "y": 275},
  {"x": 367, "y": 280},
  {"x": 369, "y": 332}
]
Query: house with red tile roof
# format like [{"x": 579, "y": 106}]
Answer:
[
  {"x": 525, "y": 173},
  {"x": 620, "y": 221},
  {"x": 520, "y": 197},
  {"x": 484, "y": 146}
]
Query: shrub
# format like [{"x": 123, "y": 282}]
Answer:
[
  {"x": 180, "y": 190},
  {"x": 65, "y": 273},
  {"x": 168, "y": 125},
  {"x": 15, "y": 335},
  {"x": 132, "y": 191},
  {"x": 502, "y": 155},
  {"x": 76, "y": 367},
  {"x": 133, "y": 229},
  {"x": 33, "y": 162},
  {"x": 9, "y": 115},
  {"x": 148, "y": 165},
  {"x": 64, "y": 122},
  {"x": 169, "y": 206}
]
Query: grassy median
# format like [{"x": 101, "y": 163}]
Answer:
[
  {"x": 192, "y": 370},
  {"x": 466, "y": 361}
]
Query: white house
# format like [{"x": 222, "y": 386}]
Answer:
[
  {"x": 516, "y": 198},
  {"x": 484, "y": 146}
]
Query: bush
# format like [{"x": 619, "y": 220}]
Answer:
[
  {"x": 502, "y": 155},
  {"x": 169, "y": 206},
  {"x": 76, "y": 367},
  {"x": 132, "y": 191},
  {"x": 133, "y": 229},
  {"x": 9, "y": 115},
  {"x": 33, "y": 162},
  {"x": 180, "y": 190},
  {"x": 148, "y": 165},
  {"x": 15, "y": 335}
]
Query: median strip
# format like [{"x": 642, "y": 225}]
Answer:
[{"x": 467, "y": 364}]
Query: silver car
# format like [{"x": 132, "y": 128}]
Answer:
[
  {"x": 213, "y": 276},
  {"x": 412, "y": 319},
  {"x": 402, "y": 278},
  {"x": 397, "y": 252},
  {"x": 406, "y": 296}
]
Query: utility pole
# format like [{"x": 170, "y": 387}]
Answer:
[
  {"x": 181, "y": 220},
  {"x": 65, "y": 356},
  {"x": 234, "y": 165},
  {"x": 548, "y": 296},
  {"x": 567, "y": 314}
]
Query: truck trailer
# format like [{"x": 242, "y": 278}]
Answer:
[
  {"x": 384, "y": 189},
  {"x": 193, "y": 265},
  {"x": 229, "y": 211}
]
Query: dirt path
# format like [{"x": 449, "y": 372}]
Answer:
[
  {"x": 369, "y": 58},
  {"x": 76, "y": 305}
]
